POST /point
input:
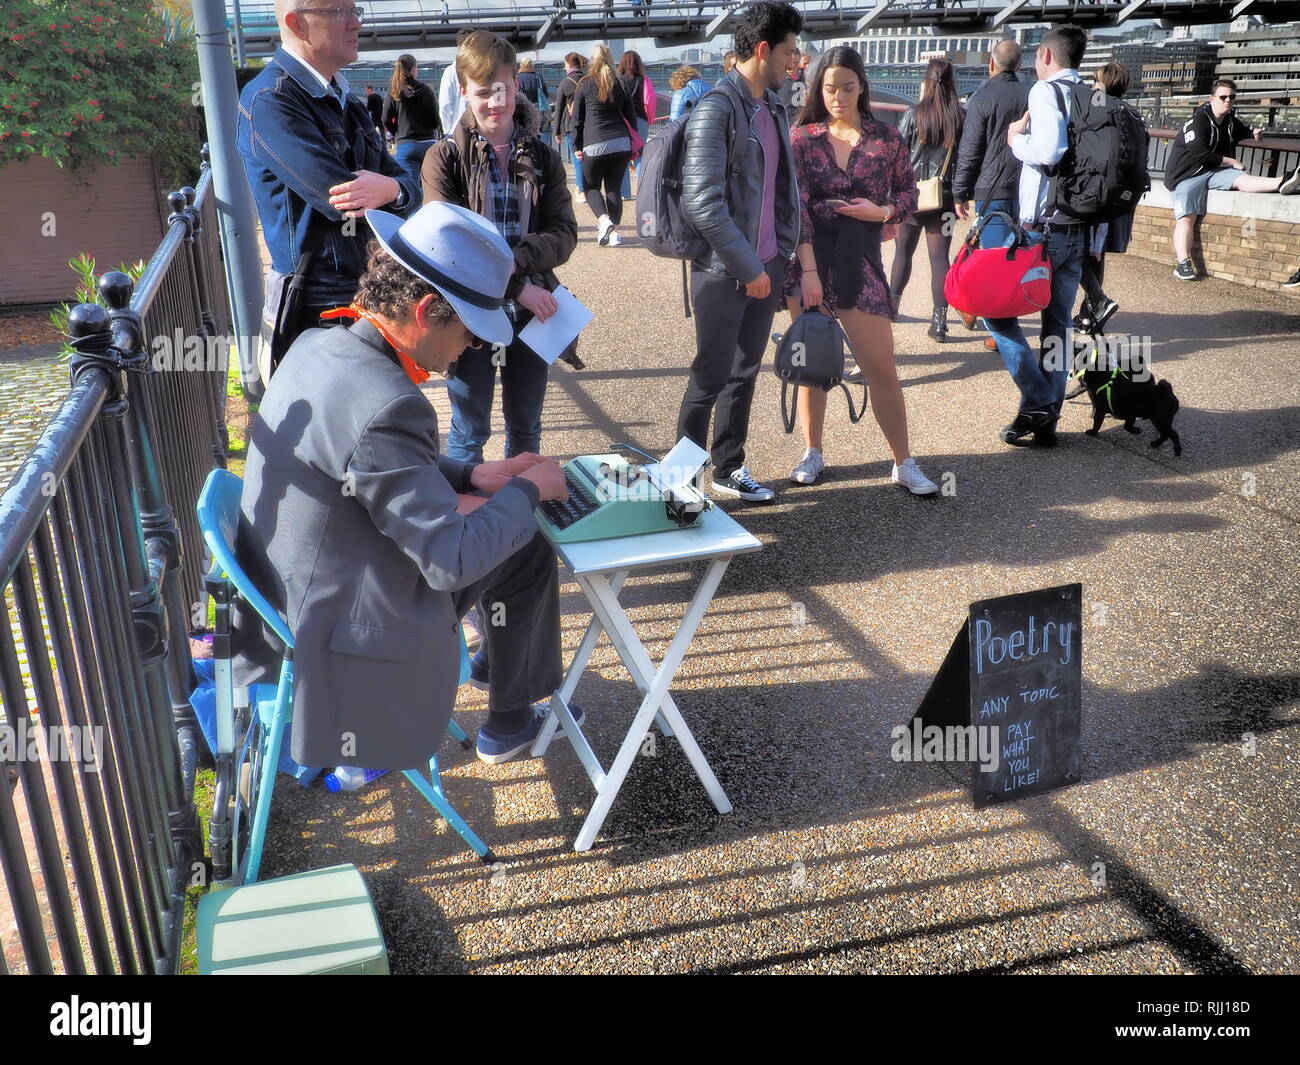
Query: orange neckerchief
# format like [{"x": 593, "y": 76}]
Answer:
[{"x": 417, "y": 374}]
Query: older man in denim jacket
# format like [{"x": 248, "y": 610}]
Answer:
[{"x": 313, "y": 157}]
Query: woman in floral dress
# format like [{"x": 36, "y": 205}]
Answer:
[{"x": 855, "y": 178}]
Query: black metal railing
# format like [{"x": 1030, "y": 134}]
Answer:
[
  {"x": 1266, "y": 157},
  {"x": 101, "y": 568}
]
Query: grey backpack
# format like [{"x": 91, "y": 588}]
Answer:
[{"x": 811, "y": 353}]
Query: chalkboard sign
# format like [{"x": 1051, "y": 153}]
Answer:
[{"x": 1015, "y": 673}]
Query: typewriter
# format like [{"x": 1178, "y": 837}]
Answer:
[{"x": 611, "y": 496}]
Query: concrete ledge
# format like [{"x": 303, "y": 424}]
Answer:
[
  {"x": 1250, "y": 238},
  {"x": 1262, "y": 206}
]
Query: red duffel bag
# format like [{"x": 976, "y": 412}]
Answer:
[{"x": 999, "y": 282}]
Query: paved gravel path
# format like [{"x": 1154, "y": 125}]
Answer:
[{"x": 1177, "y": 854}]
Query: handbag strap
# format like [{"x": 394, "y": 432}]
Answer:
[
  {"x": 312, "y": 242},
  {"x": 946, "y": 159}
]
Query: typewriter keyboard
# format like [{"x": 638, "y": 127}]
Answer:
[{"x": 580, "y": 503}]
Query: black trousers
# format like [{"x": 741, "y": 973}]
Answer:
[
  {"x": 519, "y": 606},
  {"x": 602, "y": 180},
  {"x": 731, "y": 334}
]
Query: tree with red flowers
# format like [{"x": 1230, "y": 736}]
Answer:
[{"x": 91, "y": 82}]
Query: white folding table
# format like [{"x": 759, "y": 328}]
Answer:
[{"x": 600, "y": 567}]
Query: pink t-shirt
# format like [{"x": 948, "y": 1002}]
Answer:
[{"x": 770, "y": 138}]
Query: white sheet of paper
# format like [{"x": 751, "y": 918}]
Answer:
[
  {"x": 550, "y": 338},
  {"x": 679, "y": 466}
]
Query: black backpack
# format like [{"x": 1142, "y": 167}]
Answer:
[
  {"x": 661, "y": 222},
  {"x": 811, "y": 353},
  {"x": 1103, "y": 173}
]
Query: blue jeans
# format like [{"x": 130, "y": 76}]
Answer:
[
  {"x": 523, "y": 389},
  {"x": 1041, "y": 375},
  {"x": 643, "y": 128},
  {"x": 410, "y": 157},
  {"x": 577, "y": 163}
]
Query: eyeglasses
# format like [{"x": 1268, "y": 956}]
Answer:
[
  {"x": 338, "y": 14},
  {"x": 1233, "y": 96}
]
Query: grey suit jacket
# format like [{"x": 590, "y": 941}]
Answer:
[{"x": 349, "y": 527}]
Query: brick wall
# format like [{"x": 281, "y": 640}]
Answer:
[
  {"x": 1242, "y": 239},
  {"x": 116, "y": 213}
]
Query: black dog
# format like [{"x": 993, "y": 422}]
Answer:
[{"x": 1127, "y": 394}]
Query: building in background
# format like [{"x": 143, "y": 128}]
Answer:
[
  {"x": 1180, "y": 67},
  {"x": 896, "y": 57},
  {"x": 1264, "y": 62}
]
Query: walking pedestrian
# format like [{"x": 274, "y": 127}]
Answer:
[
  {"x": 855, "y": 177},
  {"x": 1098, "y": 308},
  {"x": 411, "y": 116},
  {"x": 533, "y": 86},
  {"x": 603, "y": 118},
  {"x": 640, "y": 90},
  {"x": 931, "y": 131},
  {"x": 1039, "y": 139},
  {"x": 688, "y": 87},
  {"x": 986, "y": 173},
  {"x": 564, "y": 111}
]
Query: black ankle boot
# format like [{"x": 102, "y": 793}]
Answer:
[{"x": 939, "y": 324}]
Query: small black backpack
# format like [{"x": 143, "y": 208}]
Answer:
[
  {"x": 811, "y": 353},
  {"x": 1103, "y": 173}
]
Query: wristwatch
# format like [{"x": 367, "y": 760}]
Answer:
[{"x": 890, "y": 208}]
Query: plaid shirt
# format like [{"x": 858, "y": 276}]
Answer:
[{"x": 504, "y": 194}]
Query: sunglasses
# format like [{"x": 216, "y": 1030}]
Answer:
[{"x": 1232, "y": 97}]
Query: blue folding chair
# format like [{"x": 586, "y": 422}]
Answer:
[{"x": 250, "y": 734}]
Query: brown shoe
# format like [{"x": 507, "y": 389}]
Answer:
[
  {"x": 991, "y": 344},
  {"x": 968, "y": 320}
]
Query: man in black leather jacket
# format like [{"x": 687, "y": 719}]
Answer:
[
  {"x": 741, "y": 195},
  {"x": 986, "y": 171}
]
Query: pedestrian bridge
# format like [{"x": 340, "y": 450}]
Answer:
[{"x": 432, "y": 24}]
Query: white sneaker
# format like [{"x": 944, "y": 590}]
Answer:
[
  {"x": 614, "y": 241},
  {"x": 909, "y": 475},
  {"x": 809, "y": 468},
  {"x": 603, "y": 226}
]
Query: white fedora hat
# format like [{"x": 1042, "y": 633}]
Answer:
[{"x": 459, "y": 253}]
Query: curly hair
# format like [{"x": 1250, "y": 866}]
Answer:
[
  {"x": 389, "y": 288},
  {"x": 681, "y": 76}
]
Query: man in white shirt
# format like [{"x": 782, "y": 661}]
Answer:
[
  {"x": 451, "y": 104},
  {"x": 1039, "y": 141}
]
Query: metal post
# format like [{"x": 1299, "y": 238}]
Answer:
[
  {"x": 234, "y": 199},
  {"x": 241, "y": 55}
]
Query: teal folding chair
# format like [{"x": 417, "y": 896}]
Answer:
[{"x": 250, "y": 734}]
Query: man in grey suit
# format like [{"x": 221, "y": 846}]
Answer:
[{"x": 372, "y": 543}]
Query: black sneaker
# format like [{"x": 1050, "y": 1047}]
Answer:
[
  {"x": 1185, "y": 271},
  {"x": 1103, "y": 313},
  {"x": 1045, "y": 432},
  {"x": 741, "y": 484},
  {"x": 1032, "y": 426},
  {"x": 1291, "y": 184},
  {"x": 1292, "y": 281}
]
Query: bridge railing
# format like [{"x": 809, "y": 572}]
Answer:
[
  {"x": 1266, "y": 157},
  {"x": 100, "y": 568}
]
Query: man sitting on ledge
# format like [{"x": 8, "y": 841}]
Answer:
[
  {"x": 373, "y": 544},
  {"x": 1203, "y": 157}
]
